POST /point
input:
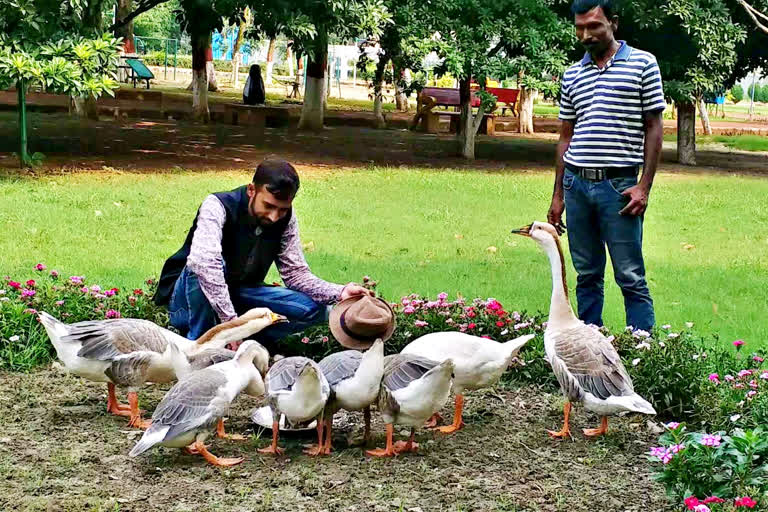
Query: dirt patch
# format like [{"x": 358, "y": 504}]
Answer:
[{"x": 59, "y": 450}]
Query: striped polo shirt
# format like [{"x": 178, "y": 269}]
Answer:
[{"x": 607, "y": 107}]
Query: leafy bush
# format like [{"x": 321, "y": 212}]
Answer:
[
  {"x": 737, "y": 93},
  {"x": 23, "y": 341},
  {"x": 713, "y": 470},
  {"x": 157, "y": 58}
]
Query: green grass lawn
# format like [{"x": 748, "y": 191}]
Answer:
[
  {"x": 706, "y": 238},
  {"x": 740, "y": 142}
]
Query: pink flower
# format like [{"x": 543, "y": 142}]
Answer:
[
  {"x": 667, "y": 457},
  {"x": 677, "y": 448},
  {"x": 109, "y": 293},
  {"x": 714, "y": 378},
  {"x": 59, "y": 302},
  {"x": 54, "y": 274},
  {"x": 738, "y": 386},
  {"x": 493, "y": 305},
  {"x": 324, "y": 339},
  {"x": 751, "y": 393},
  {"x": 132, "y": 300},
  {"x": 764, "y": 375},
  {"x": 76, "y": 279},
  {"x": 746, "y": 502},
  {"x": 713, "y": 499},
  {"x": 658, "y": 451},
  {"x": 449, "y": 321},
  {"x": 744, "y": 373},
  {"x": 84, "y": 289},
  {"x": 442, "y": 296},
  {"x": 738, "y": 343},
  {"x": 409, "y": 310},
  {"x": 521, "y": 325},
  {"x": 499, "y": 324},
  {"x": 111, "y": 313},
  {"x": 31, "y": 283},
  {"x": 729, "y": 378},
  {"x": 471, "y": 314},
  {"x": 305, "y": 340},
  {"x": 485, "y": 336},
  {"x": 712, "y": 440},
  {"x": 420, "y": 323},
  {"x": 40, "y": 267},
  {"x": 758, "y": 359},
  {"x": 30, "y": 311},
  {"x": 95, "y": 288},
  {"x": 28, "y": 293},
  {"x": 14, "y": 285},
  {"x": 471, "y": 326},
  {"x": 701, "y": 508},
  {"x": 672, "y": 425},
  {"x": 753, "y": 384}
]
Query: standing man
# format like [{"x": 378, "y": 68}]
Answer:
[
  {"x": 235, "y": 238},
  {"x": 611, "y": 111}
]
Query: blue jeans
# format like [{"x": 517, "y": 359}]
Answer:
[
  {"x": 592, "y": 210},
  {"x": 192, "y": 314}
]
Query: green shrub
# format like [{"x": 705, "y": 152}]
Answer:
[
  {"x": 157, "y": 58},
  {"x": 737, "y": 93},
  {"x": 717, "y": 470}
]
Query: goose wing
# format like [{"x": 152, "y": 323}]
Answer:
[
  {"x": 402, "y": 369},
  {"x": 341, "y": 366},
  {"x": 283, "y": 374},
  {"x": 590, "y": 358},
  {"x": 195, "y": 401},
  {"x": 107, "y": 339},
  {"x": 209, "y": 357}
]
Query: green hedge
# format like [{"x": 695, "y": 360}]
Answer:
[{"x": 185, "y": 61}]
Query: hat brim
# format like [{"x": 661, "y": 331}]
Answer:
[{"x": 347, "y": 341}]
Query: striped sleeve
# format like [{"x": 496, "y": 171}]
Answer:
[
  {"x": 567, "y": 111},
  {"x": 652, "y": 94}
]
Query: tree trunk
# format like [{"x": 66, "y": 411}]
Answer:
[
  {"x": 236, "y": 53},
  {"x": 210, "y": 72},
  {"x": 122, "y": 9},
  {"x": 686, "y": 133},
  {"x": 300, "y": 69},
  {"x": 200, "y": 45},
  {"x": 270, "y": 61},
  {"x": 86, "y": 107},
  {"x": 468, "y": 124},
  {"x": 525, "y": 116},
  {"x": 314, "y": 88},
  {"x": 401, "y": 100},
  {"x": 704, "y": 115},
  {"x": 378, "y": 79},
  {"x": 289, "y": 59}
]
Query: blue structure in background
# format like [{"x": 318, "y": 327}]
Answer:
[{"x": 222, "y": 48}]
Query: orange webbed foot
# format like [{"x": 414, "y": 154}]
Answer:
[
  {"x": 433, "y": 421},
  {"x": 406, "y": 446}
]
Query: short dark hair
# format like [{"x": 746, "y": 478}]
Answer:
[
  {"x": 278, "y": 177},
  {"x": 609, "y": 7}
]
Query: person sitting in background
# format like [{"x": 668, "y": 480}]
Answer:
[{"x": 253, "y": 93}]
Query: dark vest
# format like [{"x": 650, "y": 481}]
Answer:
[{"x": 248, "y": 249}]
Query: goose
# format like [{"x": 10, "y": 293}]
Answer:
[
  {"x": 355, "y": 379},
  {"x": 129, "y": 352},
  {"x": 297, "y": 388},
  {"x": 479, "y": 362},
  {"x": 587, "y": 366},
  {"x": 201, "y": 399},
  {"x": 413, "y": 389}
]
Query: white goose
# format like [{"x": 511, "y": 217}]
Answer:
[
  {"x": 297, "y": 388},
  {"x": 201, "y": 399},
  {"x": 129, "y": 352},
  {"x": 478, "y": 362},
  {"x": 355, "y": 379},
  {"x": 584, "y": 361}
]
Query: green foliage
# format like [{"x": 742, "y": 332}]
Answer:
[
  {"x": 160, "y": 21},
  {"x": 157, "y": 58},
  {"x": 24, "y": 343},
  {"x": 695, "y": 466},
  {"x": 737, "y": 93}
]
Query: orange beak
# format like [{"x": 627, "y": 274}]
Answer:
[{"x": 524, "y": 231}]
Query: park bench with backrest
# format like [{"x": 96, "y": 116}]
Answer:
[
  {"x": 139, "y": 71},
  {"x": 431, "y": 97}
]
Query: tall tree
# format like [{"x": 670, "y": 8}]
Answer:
[
  {"x": 236, "y": 50},
  {"x": 125, "y": 30}
]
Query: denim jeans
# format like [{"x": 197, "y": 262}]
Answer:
[
  {"x": 592, "y": 211},
  {"x": 192, "y": 314}
]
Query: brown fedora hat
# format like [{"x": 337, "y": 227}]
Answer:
[{"x": 359, "y": 321}]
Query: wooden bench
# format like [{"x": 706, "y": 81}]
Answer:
[
  {"x": 258, "y": 116},
  {"x": 431, "y": 97},
  {"x": 506, "y": 96}
]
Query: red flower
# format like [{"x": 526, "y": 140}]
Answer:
[
  {"x": 471, "y": 326},
  {"x": 746, "y": 502},
  {"x": 138, "y": 291},
  {"x": 713, "y": 499},
  {"x": 150, "y": 282},
  {"x": 691, "y": 502},
  {"x": 39, "y": 267},
  {"x": 500, "y": 324},
  {"x": 14, "y": 285},
  {"x": 114, "y": 290},
  {"x": 30, "y": 283},
  {"x": 501, "y": 312},
  {"x": 471, "y": 314}
]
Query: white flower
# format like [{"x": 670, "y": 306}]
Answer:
[
  {"x": 4, "y": 299},
  {"x": 636, "y": 361},
  {"x": 666, "y": 326},
  {"x": 642, "y": 334},
  {"x": 695, "y": 356},
  {"x": 643, "y": 346},
  {"x": 97, "y": 213},
  {"x": 689, "y": 324},
  {"x": 661, "y": 344},
  {"x": 629, "y": 328},
  {"x": 504, "y": 332},
  {"x": 673, "y": 335},
  {"x": 2, "y": 292},
  {"x": 13, "y": 338},
  {"x": 735, "y": 417}
]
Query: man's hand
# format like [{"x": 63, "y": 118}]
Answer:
[
  {"x": 638, "y": 201},
  {"x": 353, "y": 290},
  {"x": 555, "y": 214}
]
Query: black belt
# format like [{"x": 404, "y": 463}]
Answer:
[{"x": 597, "y": 174}]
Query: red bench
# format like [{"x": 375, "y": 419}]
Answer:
[
  {"x": 506, "y": 96},
  {"x": 431, "y": 97}
]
